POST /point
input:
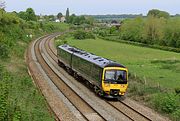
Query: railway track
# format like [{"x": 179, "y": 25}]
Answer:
[
  {"x": 133, "y": 114},
  {"x": 82, "y": 101},
  {"x": 85, "y": 111}
]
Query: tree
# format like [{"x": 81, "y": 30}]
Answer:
[
  {"x": 59, "y": 15},
  {"x": 67, "y": 15},
  {"x": 51, "y": 18},
  {"x": 158, "y": 13},
  {"x": 131, "y": 29},
  {"x": 76, "y": 20},
  {"x": 112, "y": 30},
  {"x": 31, "y": 15},
  {"x": 153, "y": 31},
  {"x": 90, "y": 20},
  {"x": 2, "y": 4},
  {"x": 172, "y": 32},
  {"x": 22, "y": 15},
  {"x": 82, "y": 20},
  {"x": 71, "y": 18}
]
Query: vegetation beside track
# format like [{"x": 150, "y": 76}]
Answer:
[
  {"x": 157, "y": 32},
  {"x": 153, "y": 73},
  {"x": 19, "y": 98}
]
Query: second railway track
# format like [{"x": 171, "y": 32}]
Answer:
[{"x": 85, "y": 102}]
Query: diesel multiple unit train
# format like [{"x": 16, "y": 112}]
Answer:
[{"x": 107, "y": 77}]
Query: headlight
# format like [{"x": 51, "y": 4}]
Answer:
[{"x": 107, "y": 85}]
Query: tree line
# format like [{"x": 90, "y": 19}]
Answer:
[
  {"x": 158, "y": 28},
  {"x": 152, "y": 30},
  {"x": 18, "y": 26},
  {"x": 78, "y": 20}
]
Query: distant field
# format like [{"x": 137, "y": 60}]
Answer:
[{"x": 153, "y": 65}]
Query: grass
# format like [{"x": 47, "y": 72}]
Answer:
[
  {"x": 60, "y": 26},
  {"x": 157, "y": 67},
  {"x": 24, "y": 101}
]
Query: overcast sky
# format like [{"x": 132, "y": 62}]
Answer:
[{"x": 94, "y": 7}]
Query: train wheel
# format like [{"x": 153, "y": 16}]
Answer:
[
  {"x": 96, "y": 89},
  {"x": 71, "y": 72},
  {"x": 59, "y": 63},
  {"x": 68, "y": 70},
  {"x": 91, "y": 86},
  {"x": 101, "y": 93},
  {"x": 75, "y": 75},
  {"x": 87, "y": 83}
]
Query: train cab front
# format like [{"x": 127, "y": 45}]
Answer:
[{"x": 114, "y": 81}]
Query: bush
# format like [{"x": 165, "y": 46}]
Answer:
[
  {"x": 3, "y": 102},
  {"x": 176, "y": 115},
  {"x": 177, "y": 90},
  {"x": 9, "y": 109},
  {"x": 137, "y": 88},
  {"x": 80, "y": 35},
  {"x": 90, "y": 35},
  {"x": 61, "y": 42},
  {"x": 4, "y": 51},
  {"x": 167, "y": 103},
  {"x": 83, "y": 35}
]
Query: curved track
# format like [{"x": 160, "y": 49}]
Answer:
[{"x": 78, "y": 99}]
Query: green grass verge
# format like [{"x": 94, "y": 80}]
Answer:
[{"x": 19, "y": 97}]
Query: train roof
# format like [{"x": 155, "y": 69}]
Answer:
[{"x": 100, "y": 61}]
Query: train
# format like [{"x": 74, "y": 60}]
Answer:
[{"x": 107, "y": 77}]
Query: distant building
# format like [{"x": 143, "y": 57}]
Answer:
[
  {"x": 114, "y": 23},
  {"x": 62, "y": 19},
  {"x": 57, "y": 20},
  {"x": 41, "y": 18}
]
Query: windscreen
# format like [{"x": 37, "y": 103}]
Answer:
[{"x": 115, "y": 76}]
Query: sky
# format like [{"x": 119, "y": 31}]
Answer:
[{"x": 94, "y": 7}]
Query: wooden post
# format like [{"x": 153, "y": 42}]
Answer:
[
  {"x": 145, "y": 80},
  {"x": 135, "y": 75},
  {"x": 158, "y": 85}
]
